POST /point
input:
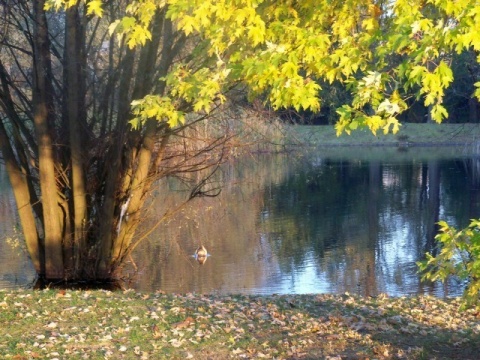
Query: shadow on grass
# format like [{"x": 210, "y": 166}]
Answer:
[{"x": 349, "y": 327}]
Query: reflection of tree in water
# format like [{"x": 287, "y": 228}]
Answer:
[
  {"x": 472, "y": 167},
  {"x": 15, "y": 266},
  {"x": 463, "y": 173},
  {"x": 319, "y": 210},
  {"x": 359, "y": 222},
  {"x": 366, "y": 223},
  {"x": 299, "y": 205},
  {"x": 226, "y": 225},
  {"x": 433, "y": 206}
]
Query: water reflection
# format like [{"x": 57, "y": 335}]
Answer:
[
  {"x": 366, "y": 223},
  {"x": 316, "y": 224},
  {"x": 15, "y": 267},
  {"x": 322, "y": 223}
]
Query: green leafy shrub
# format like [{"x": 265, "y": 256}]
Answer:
[{"x": 459, "y": 256}]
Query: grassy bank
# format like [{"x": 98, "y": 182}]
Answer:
[
  {"x": 56, "y": 324},
  {"x": 409, "y": 135}
]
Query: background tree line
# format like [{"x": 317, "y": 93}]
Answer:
[{"x": 462, "y": 107}]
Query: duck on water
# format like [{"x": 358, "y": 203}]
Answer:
[{"x": 201, "y": 254}]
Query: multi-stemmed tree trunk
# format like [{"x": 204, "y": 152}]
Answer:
[{"x": 79, "y": 173}]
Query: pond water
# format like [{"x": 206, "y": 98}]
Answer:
[
  {"x": 15, "y": 267},
  {"x": 332, "y": 221}
]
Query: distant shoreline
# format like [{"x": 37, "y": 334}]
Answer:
[{"x": 410, "y": 135}]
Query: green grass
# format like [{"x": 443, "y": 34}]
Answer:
[
  {"x": 413, "y": 134},
  {"x": 99, "y": 324}
]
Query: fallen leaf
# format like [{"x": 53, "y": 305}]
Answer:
[
  {"x": 183, "y": 324},
  {"x": 177, "y": 343}
]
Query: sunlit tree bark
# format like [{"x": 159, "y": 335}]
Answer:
[
  {"x": 79, "y": 172},
  {"x": 20, "y": 190},
  {"x": 42, "y": 114}
]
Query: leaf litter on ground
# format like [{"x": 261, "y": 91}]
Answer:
[{"x": 98, "y": 324}]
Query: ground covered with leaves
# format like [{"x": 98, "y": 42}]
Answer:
[{"x": 55, "y": 324}]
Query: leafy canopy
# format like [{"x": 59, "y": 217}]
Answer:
[{"x": 279, "y": 49}]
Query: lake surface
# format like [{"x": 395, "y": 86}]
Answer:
[{"x": 337, "y": 220}]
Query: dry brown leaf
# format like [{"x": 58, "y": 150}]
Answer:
[
  {"x": 184, "y": 324},
  {"x": 156, "y": 332}
]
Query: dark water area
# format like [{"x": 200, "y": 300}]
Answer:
[
  {"x": 16, "y": 269},
  {"x": 333, "y": 221}
]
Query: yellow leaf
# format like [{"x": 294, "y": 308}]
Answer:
[{"x": 94, "y": 7}]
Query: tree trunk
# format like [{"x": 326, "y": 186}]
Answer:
[
  {"x": 42, "y": 105},
  {"x": 136, "y": 184},
  {"x": 113, "y": 173},
  {"x": 22, "y": 198},
  {"x": 81, "y": 176},
  {"x": 74, "y": 99},
  {"x": 135, "y": 200}
]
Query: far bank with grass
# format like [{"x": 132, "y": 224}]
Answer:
[{"x": 408, "y": 136}]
